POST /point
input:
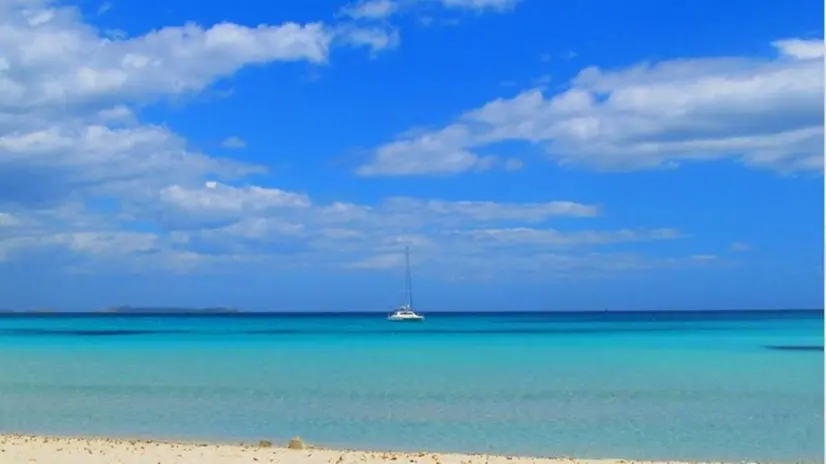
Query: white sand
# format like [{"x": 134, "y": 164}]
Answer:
[{"x": 16, "y": 449}]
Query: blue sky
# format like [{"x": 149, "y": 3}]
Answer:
[{"x": 533, "y": 154}]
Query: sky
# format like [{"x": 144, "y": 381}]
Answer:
[{"x": 533, "y": 154}]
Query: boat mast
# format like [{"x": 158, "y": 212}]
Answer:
[{"x": 407, "y": 277}]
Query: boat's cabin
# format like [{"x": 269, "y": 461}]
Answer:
[{"x": 404, "y": 312}]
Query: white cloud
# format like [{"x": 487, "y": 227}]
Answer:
[
  {"x": 375, "y": 38},
  {"x": 442, "y": 152},
  {"x": 70, "y": 159},
  {"x": 68, "y": 96},
  {"x": 220, "y": 223},
  {"x": 382, "y": 9},
  {"x": 500, "y": 5},
  {"x": 82, "y": 176},
  {"x": 108, "y": 242},
  {"x": 739, "y": 247},
  {"x": 484, "y": 211},
  {"x": 255, "y": 207},
  {"x": 767, "y": 113},
  {"x": 371, "y": 9},
  {"x": 234, "y": 143},
  {"x": 70, "y": 227},
  {"x": 541, "y": 265},
  {"x": 441, "y": 232},
  {"x": 54, "y": 58},
  {"x": 553, "y": 237},
  {"x": 51, "y": 57},
  {"x": 801, "y": 49},
  {"x": 216, "y": 198},
  {"x": 260, "y": 228}
]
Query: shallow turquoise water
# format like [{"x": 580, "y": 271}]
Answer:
[{"x": 638, "y": 385}]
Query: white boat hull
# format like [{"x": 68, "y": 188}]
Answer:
[{"x": 397, "y": 318}]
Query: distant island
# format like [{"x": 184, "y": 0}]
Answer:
[
  {"x": 166, "y": 310},
  {"x": 38, "y": 310}
]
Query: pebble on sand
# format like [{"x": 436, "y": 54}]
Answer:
[{"x": 295, "y": 443}]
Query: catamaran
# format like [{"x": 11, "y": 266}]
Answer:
[{"x": 405, "y": 312}]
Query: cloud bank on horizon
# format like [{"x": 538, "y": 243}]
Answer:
[{"x": 93, "y": 178}]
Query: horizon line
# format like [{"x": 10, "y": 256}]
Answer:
[{"x": 234, "y": 311}]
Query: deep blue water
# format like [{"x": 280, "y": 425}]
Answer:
[{"x": 669, "y": 385}]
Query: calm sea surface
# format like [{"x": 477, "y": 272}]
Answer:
[{"x": 699, "y": 385}]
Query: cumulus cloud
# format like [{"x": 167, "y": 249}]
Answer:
[
  {"x": 52, "y": 57},
  {"x": 450, "y": 234},
  {"x": 69, "y": 159},
  {"x": 215, "y": 202},
  {"x": 82, "y": 175},
  {"x": 221, "y": 200},
  {"x": 766, "y": 113},
  {"x": 221, "y": 223},
  {"x": 442, "y": 152},
  {"x": 67, "y": 95}
]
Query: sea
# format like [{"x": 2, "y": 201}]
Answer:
[{"x": 713, "y": 385}]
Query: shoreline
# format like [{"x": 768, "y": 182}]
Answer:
[{"x": 22, "y": 448}]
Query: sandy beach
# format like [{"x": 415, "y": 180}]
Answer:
[{"x": 16, "y": 449}]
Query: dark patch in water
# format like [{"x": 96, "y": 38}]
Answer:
[
  {"x": 535, "y": 316},
  {"x": 292, "y": 332},
  {"x": 795, "y": 347},
  {"x": 491, "y": 331},
  {"x": 394, "y": 330},
  {"x": 356, "y": 332},
  {"x": 85, "y": 333}
]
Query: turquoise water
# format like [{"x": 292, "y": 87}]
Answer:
[{"x": 727, "y": 386}]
